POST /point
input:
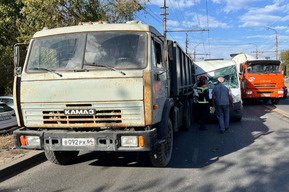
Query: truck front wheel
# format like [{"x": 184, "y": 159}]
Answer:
[
  {"x": 160, "y": 156},
  {"x": 61, "y": 157},
  {"x": 274, "y": 101}
]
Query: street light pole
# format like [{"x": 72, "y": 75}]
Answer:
[
  {"x": 276, "y": 41},
  {"x": 195, "y": 51},
  {"x": 256, "y": 49}
]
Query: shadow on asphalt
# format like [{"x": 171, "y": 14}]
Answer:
[
  {"x": 195, "y": 148},
  {"x": 22, "y": 166}
]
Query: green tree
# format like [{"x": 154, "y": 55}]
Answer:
[
  {"x": 20, "y": 19},
  {"x": 56, "y": 13},
  {"x": 9, "y": 13},
  {"x": 285, "y": 60}
]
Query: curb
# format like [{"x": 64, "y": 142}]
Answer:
[
  {"x": 22, "y": 164},
  {"x": 279, "y": 111}
]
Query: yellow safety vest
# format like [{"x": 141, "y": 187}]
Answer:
[{"x": 201, "y": 92}]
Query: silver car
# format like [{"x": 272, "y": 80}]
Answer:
[
  {"x": 7, "y": 116},
  {"x": 8, "y": 100}
]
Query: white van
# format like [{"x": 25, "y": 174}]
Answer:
[{"x": 213, "y": 69}]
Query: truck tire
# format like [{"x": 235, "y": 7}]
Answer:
[
  {"x": 265, "y": 100},
  {"x": 160, "y": 156},
  {"x": 61, "y": 157},
  {"x": 274, "y": 101}
]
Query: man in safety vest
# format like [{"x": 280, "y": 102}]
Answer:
[{"x": 203, "y": 101}]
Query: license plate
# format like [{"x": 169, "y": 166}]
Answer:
[
  {"x": 81, "y": 142},
  {"x": 265, "y": 95}
]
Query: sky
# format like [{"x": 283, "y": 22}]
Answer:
[{"x": 234, "y": 26}]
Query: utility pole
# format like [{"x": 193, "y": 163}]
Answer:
[
  {"x": 195, "y": 51},
  {"x": 261, "y": 52},
  {"x": 165, "y": 31},
  {"x": 190, "y": 30},
  {"x": 187, "y": 43},
  {"x": 276, "y": 40},
  {"x": 256, "y": 49}
]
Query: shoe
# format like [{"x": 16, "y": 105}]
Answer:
[
  {"x": 222, "y": 132},
  {"x": 227, "y": 129}
]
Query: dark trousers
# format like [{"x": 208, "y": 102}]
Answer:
[
  {"x": 204, "y": 111},
  {"x": 223, "y": 115}
]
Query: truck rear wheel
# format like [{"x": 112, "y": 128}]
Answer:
[
  {"x": 61, "y": 157},
  {"x": 161, "y": 155}
]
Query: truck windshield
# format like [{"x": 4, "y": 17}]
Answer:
[
  {"x": 229, "y": 74},
  {"x": 263, "y": 68},
  {"x": 123, "y": 50}
]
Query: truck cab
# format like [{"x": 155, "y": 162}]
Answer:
[{"x": 262, "y": 79}]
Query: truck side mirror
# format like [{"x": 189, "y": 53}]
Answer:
[
  {"x": 17, "y": 67},
  {"x": 285, "y": 70},
  {"x": 17, "y": 71},
  {"x": 16, "y": 55}
]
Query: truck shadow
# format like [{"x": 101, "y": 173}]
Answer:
[{"x": 195, "y": 148}]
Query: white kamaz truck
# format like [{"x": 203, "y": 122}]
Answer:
[{"x": 102, "y": 87}]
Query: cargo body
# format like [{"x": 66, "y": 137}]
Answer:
[
  {"x": 99, "y": 87},
  {"x": 262, "y": 80}
]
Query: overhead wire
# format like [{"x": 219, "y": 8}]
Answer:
[{"x": 207, "y": 11}]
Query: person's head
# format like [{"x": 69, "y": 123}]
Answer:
[
  {"x": 203, "y": 79},
  {"x": 220, "y": 79}
]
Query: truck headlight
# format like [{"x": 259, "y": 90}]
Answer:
[
  {"x": 249, "y": 92},
  {"x": 30, "y": 141},
  {"x": 129, "y": 141},
  {"x": 280, "y": 92}
]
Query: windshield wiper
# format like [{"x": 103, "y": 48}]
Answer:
[
  {"x": 106, "y": 66},
  {"x": 44, "y": 69}
]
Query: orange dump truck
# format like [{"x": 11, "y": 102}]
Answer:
[{"x": 262, "y": 79}]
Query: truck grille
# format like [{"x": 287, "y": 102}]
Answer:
[
  {"x": 258, "y": 85},
  {"x": 101, "y": 117}
]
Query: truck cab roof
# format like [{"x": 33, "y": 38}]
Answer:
[
  {"x": 202, "y": 67},
  {"x": 95, "y": 26}
]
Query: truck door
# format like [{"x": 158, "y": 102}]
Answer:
[{"x": 159, "y": 79}]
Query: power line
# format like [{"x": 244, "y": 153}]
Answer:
[
  {"x": 207, "y": 10},
  {"x": 197, "y": 13},
  {"x": 182, "y": 15},
  {"x": 155, "y": 17},
  {"x": 174, "y": 11},
  {"x": 151, "y": 14}
]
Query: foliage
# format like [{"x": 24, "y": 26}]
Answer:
[
  {"x": 58, "y": 13},
  {"x": 284, "y": 57},
  {"x": 9, "y": 13},
  {"x": 20, "y": 19}
]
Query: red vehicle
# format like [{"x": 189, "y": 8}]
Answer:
[{"x": 262, "y": 79}]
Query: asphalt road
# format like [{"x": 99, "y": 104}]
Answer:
[
  {"x": 283, "y": 104},
  {"x": 251, "y": 156}
]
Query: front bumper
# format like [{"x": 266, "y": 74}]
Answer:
[
  {"x": 108, "y": 140},
  {"x": 262, "y": 93}
]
